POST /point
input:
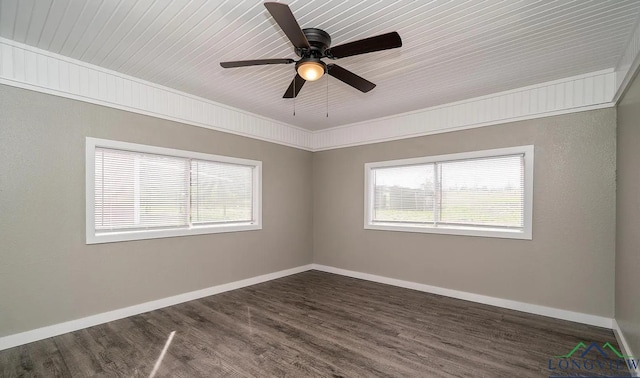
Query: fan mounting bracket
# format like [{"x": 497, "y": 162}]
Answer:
[{"x": 319, "y": 40}]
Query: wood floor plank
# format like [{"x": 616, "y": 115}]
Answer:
[
  {"x": 50, "y": 366},
  {"x": 312, "y": 324},
  {"x": 352, "y": 335}
]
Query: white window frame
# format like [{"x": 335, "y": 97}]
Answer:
[
  {"x": 93, "y": 237},
  {"x": 526, "y": 232}
]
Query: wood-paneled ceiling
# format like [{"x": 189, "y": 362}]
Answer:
[{"x": 453, "y": 50}]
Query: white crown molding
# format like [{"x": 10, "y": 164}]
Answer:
[
  {"x": 590, "y": 91},
  {"x": 626, "y": 350},
  {"x": 628, "y": 64},
  {"x": 22, "y": 338},
  {"x": 31, "y": 68},
  {"x": 551, "y": 312}
]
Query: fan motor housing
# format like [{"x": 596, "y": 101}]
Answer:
[{"x": 319, "y": 40}]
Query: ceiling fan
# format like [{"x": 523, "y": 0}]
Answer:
[{"x": 313, "y": 44}]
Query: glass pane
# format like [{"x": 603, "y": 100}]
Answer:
[
  {"x": 404, "y": 194},
  {"x": 221, "y": 192},
  {"x": 484, "y": 192}
]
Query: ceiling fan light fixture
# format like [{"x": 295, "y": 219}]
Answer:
[
  {"x": 311, "y": 69},
  {"x": 313, "y": 44}
]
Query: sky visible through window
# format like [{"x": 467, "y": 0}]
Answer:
[{"x": 490, "y": 173}]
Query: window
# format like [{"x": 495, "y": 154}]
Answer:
[
  {"x": 143, "y": 192},
  {"x": 483, "y": 193}
]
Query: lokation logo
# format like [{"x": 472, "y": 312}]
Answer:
[{"x": 593, "y": 361}]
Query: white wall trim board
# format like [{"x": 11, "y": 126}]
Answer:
[
  {"x": 354, "y": 141},
  {"x": 578, "y": 317},
  {"x": 590, "y": 91},
  {"x": 628, "y": 64},
  {"x": 622, "y": 342},
  {"x": 31, "y": 68},
  {"x": 22, "y": 338}
]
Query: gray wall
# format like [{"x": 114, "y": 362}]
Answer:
[
  {"x": 312, "y": 210},
  {"x": 628, "y": 217},
  {"x": 47, "y": 273},
  {"x": 569, "y": 264}
]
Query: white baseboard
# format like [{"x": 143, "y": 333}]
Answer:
[
  {"x": 626, "y": 350},
  {"x": 22, "y": 338},
  {"x": 578, "y": 317},
  {"x": 74, "y": 325}
]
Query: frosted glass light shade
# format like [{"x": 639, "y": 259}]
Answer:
[{"x": 311, "y": 71}]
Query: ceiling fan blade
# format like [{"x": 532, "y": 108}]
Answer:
[
  {"x": 378, "y": 43},
  {"x": 294, "y": 87},
  {"x": 258, "y": 62},
  {"x": 350, "y": 78},
  {"x": 284, "y": 17}
]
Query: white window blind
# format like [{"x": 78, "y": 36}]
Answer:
[
  {"x": 483, "y": 192},
  {"x": 143, "y": 192},
  {"x": 220, "y": 192},
  {"x": 140, "y": 191},
  {"x": 466, "y": 194}
]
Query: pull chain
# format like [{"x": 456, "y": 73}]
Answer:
[
  {"x": 294, "y": 95},
  {"x": 327, "y": 95}
]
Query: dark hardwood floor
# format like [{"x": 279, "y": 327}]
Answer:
[{"x": 318, "y": 325}]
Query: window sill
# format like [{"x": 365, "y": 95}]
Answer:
[
  {"x": 449, "y": 230},
  {"x": 119, "y": 236}
]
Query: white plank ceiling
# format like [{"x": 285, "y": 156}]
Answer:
[{"x": 453, "y": 50}]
